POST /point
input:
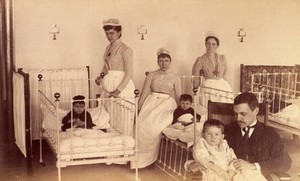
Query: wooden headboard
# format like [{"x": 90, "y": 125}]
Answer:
[{"x": 247, "y": 70}]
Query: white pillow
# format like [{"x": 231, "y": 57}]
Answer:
[
  {"x": 172, "y": 133},
  {"x": 49, "y": 118},
  {"x": 100, "y": 117},
  {"x": 186, "y": 118}
]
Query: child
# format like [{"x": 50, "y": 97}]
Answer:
[
  {"x": 182, "y": 117},
  {"x": 79, "y": 115},
  {"x": 184, "y": 113},
  {"x": 213, "y": 152}
]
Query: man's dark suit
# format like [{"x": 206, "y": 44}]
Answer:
[{"x": 263, "y": 147}]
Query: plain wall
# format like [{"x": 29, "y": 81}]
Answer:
[{"x": 272, "y": 27}]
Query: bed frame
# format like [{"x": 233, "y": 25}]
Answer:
[
  {"x": 53, "y": 74},
  {"x": 247, "y": 70},
  {"x": 278, "y": 89},
  {"x": 275, "y": 84},
  {"x": 95, "y": 150},
  {"x": 116, "y": 105}
]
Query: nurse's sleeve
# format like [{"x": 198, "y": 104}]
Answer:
[{"x": 197, "y": 67}]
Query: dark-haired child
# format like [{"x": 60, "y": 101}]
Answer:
[
  {"x": 184, "y": 113},
  {"x": 81, "y": 117}
]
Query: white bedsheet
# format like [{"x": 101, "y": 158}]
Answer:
[
  {"x": 185, "y": 135},
  {"x": 289, "y": 115}
]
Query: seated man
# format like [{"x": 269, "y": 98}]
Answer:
[{"x": 257, "y": 146}]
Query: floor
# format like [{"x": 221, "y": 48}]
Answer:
[{"x": 13, "y": 166}]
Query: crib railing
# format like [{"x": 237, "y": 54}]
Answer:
[
  {"x": 276, "y": 88},
  {"x": 78, "y": 87},
  {"x": 121, "y": 120},
  {"x": 121, "y": 115}
]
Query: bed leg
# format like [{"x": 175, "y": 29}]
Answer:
[
  {"x": 136, "y": 174},
  {"x": 41, "y": 152},
  {"x": 59, "y": 173}
]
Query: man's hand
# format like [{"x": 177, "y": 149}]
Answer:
[{"x": 242, "y": 164}]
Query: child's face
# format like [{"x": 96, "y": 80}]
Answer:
[
  {"x": 213, "y": 135},
  {"x": 185, "y": 104},
  {"x": 78, "y": 108}
]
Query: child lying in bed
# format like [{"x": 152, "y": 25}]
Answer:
[
  {"x": 213, "y": 152},
  {"x": 79, "y": 115}
]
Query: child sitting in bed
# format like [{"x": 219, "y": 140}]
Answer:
[
  {"x": 213, "y": 152},
  {"x": 184, "y": 114},
  {"x": 80, "y": 115},
  {"x": 182, "y": 120}
]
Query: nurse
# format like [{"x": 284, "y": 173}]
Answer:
[
  {"x": 156, "y": 106},
  {"x": 214, "y": 68},
  {"x": 116, "y": 74}
]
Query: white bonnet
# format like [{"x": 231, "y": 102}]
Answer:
[
  {"x": 162, "y": 50},
  {"x": 111, "y": 22},
  {"x": 212, "y": 33}
]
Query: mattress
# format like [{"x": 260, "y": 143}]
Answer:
[{"x": 89, "y": 140}]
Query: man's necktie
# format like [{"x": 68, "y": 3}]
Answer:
[{"x": 246, "y": 131}]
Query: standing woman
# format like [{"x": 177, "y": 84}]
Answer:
[
  {"x": 156, "y": 107},
  {"x": 118, "y": 63},
  {"x": 213, "y": 66}
]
